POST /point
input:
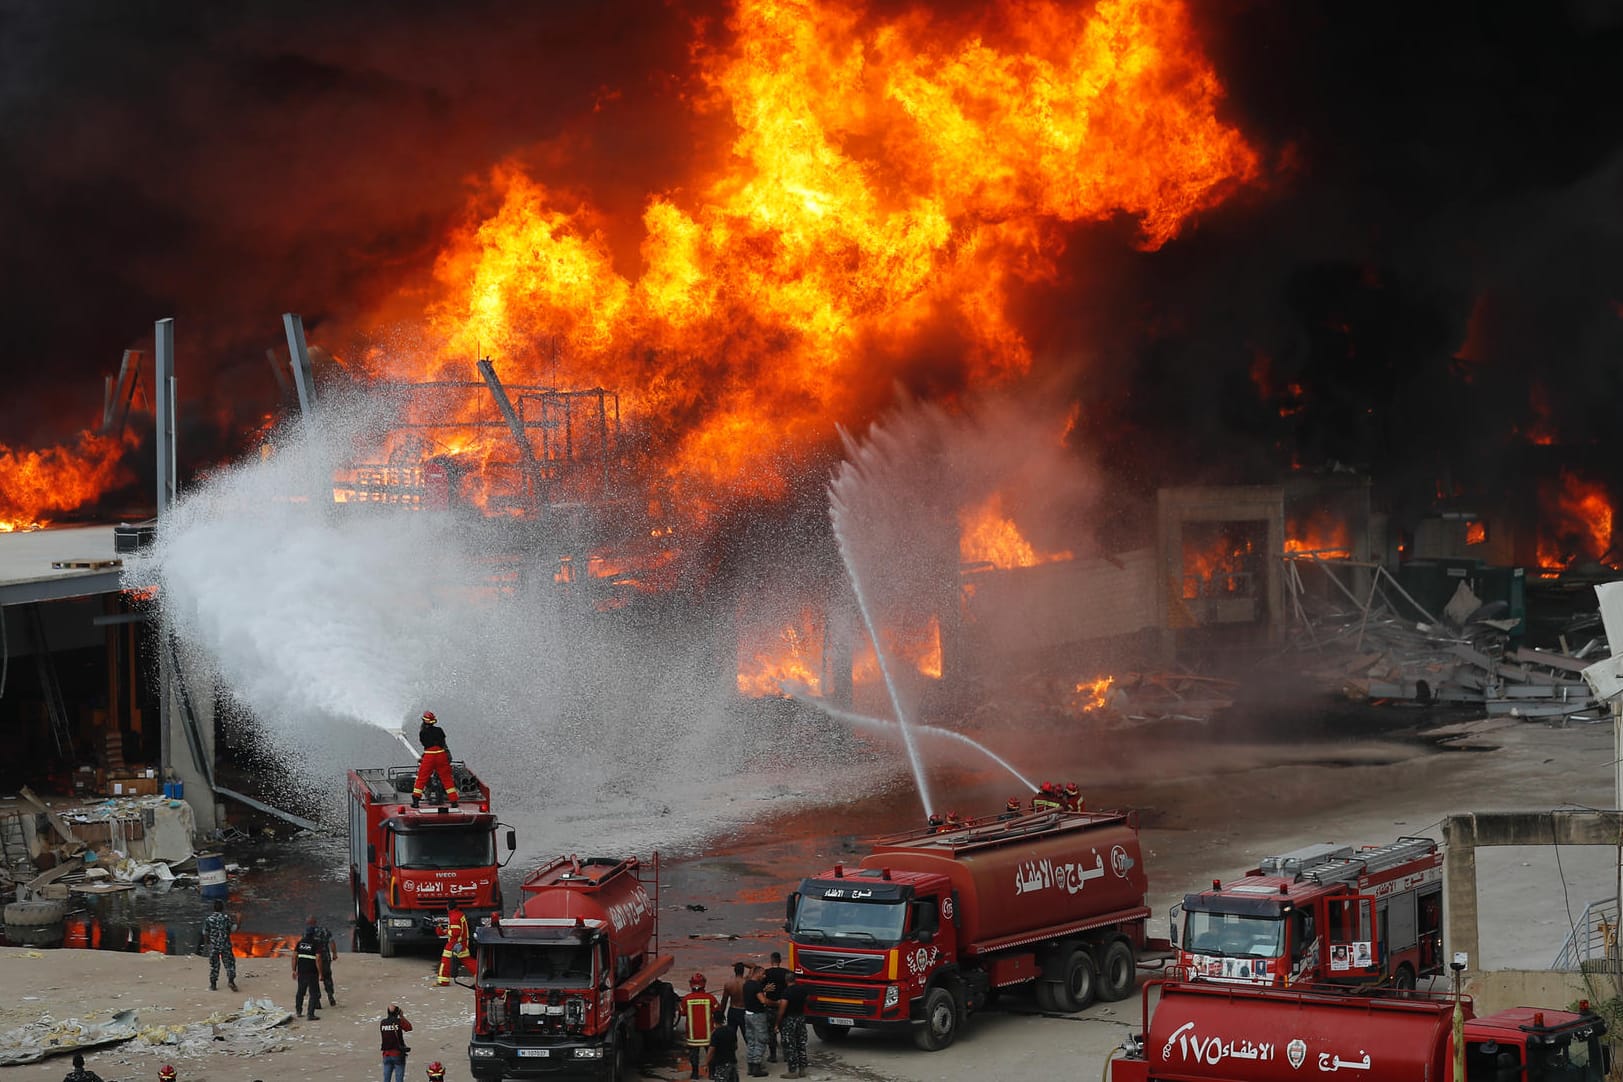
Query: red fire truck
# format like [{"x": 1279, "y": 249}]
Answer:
[
  {"x": 1324, "y": 914},
  {"x": 569, "y": 987},
  {"x": 1205, "y": 1032},
  {"x": 933, "y": 925},
  {"x": 407, "y": 865}
]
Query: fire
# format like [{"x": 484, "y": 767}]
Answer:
[
  {"x": 1320, "y": 534},
  {"x": 989, "y": 537},
  {"x": 1221, "y": 569},
  {"x": 884, "y": 179},
  {"x": 37, "y": 485},
  {"x": 1575, "y": 523},
  {"x": 795, "y": 657},
  {"x": 1092, "y": 695}
]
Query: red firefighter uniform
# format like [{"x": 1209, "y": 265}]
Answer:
[
  {"x": 456, "y": 946},
  {"x": 1071, "y": 796},
  {"x": 698, "y": 1009},
  {"x": 436, "y": 760}
]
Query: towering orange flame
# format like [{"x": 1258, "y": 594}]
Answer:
[
  {"x": 37, "y": 486},
  {"x": 890, "y": 180}
]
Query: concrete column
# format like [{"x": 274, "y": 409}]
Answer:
[
  {"x": 1459, "y": 888},
  {"x": 199, "y": 692}
]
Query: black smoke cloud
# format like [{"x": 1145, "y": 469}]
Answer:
[{"x": 225, "y": 163}]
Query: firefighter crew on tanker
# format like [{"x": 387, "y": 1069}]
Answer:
[
  {"x": 307, "y": 970},
  {"x": 436, "y": 760},
  {"x": 1046, "y": 799},
  {"x": 1014, "y": 809},
  {"x": 698, "y": 1017},
  {"x": 456, "y": 945}
]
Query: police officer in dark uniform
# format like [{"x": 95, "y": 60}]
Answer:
[{"x": 307, "y": 970}]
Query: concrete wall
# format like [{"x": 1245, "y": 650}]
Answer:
[{"x": 1500, "y": 988}]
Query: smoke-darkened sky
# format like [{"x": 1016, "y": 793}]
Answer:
[{"x": 224, "y": 163}]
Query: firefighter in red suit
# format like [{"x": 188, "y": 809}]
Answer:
[
  {"x": 1071, "y": 796},
  {"x": 698, "y": 1014},
  {"x": 456, "y": 945},
  {"x": 436, "y": 760}
]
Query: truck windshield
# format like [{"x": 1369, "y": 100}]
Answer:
[
  {"x": 828, "y": 919},
  {"x": 1233, "y": 935},
  {"x": 531, "y": 964},
  {"x": 1579, "y": 1061},
  {"x": 446, "y": 847}
]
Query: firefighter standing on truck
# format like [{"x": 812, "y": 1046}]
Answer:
[
  {"x": 698, "y": 1017},
  {"x": 436, "y": 760},
  {"x": 456, "y": 945}
]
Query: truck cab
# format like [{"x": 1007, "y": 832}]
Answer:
[
  {"x": 569, "y": 987},
  {"x": 1535, "y": 1045},
  {"x": 408, "y": 866},
  {"x": 867, "y": 945},
  {"x": 1320, "y": 915}
]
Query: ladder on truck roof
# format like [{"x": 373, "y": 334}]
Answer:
[{"x": 1371, "y": 861}]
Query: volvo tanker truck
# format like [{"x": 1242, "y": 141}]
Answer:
[
  {"x": 568, "y": 987},
  {"x": 1203, "y": 1031},
  {"x": 932, "y": 925}
]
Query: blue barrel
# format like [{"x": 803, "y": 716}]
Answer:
[
  {"x": 174, "y": 790},
  {"x": 211, "y": 875}
]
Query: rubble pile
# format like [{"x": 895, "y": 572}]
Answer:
[{"x": 1386, "y": 648}]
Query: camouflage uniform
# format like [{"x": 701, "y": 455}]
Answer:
[
  {"x": 793, "y": 1037},
  {"x": 324, "y": 946},
  {"x": 217, "y": 938}
]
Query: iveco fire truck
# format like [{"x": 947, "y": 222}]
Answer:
[
  {"x": 408, "y": 865},
  {"x": 1324, "y": 914}
]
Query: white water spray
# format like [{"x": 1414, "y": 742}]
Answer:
[
  {"x": 334, "y": 626},
  {"x": 800, "y": 694},
  {"x": 881, "y": 653}
]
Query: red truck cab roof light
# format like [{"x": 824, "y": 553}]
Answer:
[
  {"x": 1284, "y": 888},
  {"x": 1538, "y": 1019},
  {"x": 1217, "y": 884},
  {"x": 839, "y": 871},
  {"x": 884, "y": 873}
]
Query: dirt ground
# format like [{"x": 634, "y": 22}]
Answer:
[{"x": 1210, "y": 809}]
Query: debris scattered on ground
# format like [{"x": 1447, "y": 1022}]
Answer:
[{"x": 47, "y": 1037}]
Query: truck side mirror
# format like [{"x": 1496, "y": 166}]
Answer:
[
  {"x": 789, "y": 906},
  {"x": 926, "y": 936},
  {"x": 1172, "y": 921},
  {"x": 512, "y": 839}
]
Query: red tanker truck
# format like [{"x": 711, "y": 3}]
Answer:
[
  {"x": 568, "y": 987},
  {"x": 1202, "y": 1031},
  {"x": 407, "y": 865},
  {"x": 934, "y": 924}
]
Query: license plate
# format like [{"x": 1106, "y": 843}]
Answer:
[
  {"x": 539, "y": 1053},
  {"x": 842, "y": 1021}
]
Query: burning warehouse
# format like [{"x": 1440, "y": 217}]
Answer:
[{"x": 1116, "y": 305}]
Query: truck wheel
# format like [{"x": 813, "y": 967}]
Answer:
[
  {"x": 829, "y": 1033},
  {"x": 1403, "y": 979},
  {"x": 1075, "y": 990},
  {"x": 940, "y": 1020},
  {"x": 1117, "y": 971},
  {"x": 386, "y": 948}
]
